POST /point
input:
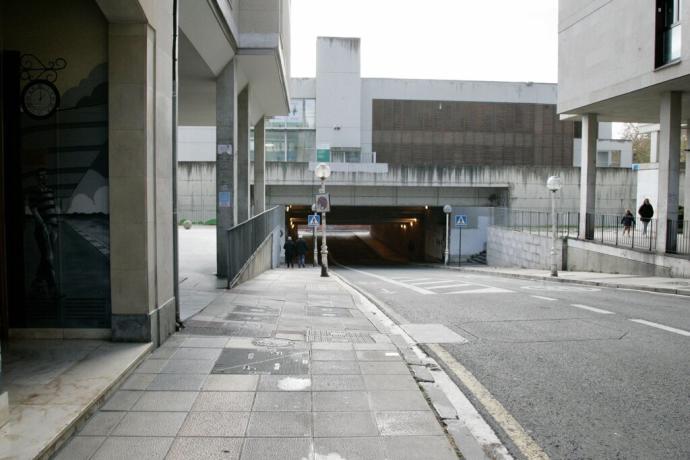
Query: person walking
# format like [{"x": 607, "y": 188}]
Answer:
[
  {"x": 646, "y": 213},
  {"x": 301, "y": 247},
  {"x": 289, "y": 247},
  {"x": 628, "y": 221}
]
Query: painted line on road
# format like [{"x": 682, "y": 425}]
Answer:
[
  {"x": 487, "y": 290},
  {"x": 544, "y": 298},
  {"x": 433, "y": 282},
  {"x": 594, "y": 309},
  {"x": 523, "y": 441},
  {"x": 391, "y": 281},
  {"x": 412, "y": 280},
  {"x": 661, "y": 326},
  {"x": 446, "y": 286}
]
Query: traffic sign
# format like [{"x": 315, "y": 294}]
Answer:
[
  {"x": 313, "y": 220},
  {"x": 461, "y": 220},
  {"x": 323, "y": 202}
]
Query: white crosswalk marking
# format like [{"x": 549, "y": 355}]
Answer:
[
  {"x": 487, "y": 290},
  {"x": 446, "y": 286},
  {"x": 432, "y": 282},
  {"x": 594, "y": 309}
]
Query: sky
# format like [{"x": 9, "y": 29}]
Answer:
[{"x": 500, "y": 40}]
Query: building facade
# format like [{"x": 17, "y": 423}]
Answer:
[
  {"x": 91, "y": 93},
  {"x": 638, "y": 71}
]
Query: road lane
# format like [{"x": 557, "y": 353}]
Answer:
[{"x": 582, "y": 383}]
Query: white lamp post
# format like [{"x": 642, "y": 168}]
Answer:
[
  {"x": 447, "y": 209},
  {"x": 313, "y": 235},
  {"x": 323, "y": 172},
  {"x": 554, "y": 184}
]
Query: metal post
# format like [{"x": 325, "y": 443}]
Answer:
[
  {"x": 554, "y": 262},
  {"x": 459, "y": 245},
  {"x": 445, "y": 252},
  {"x": 315, "y": 243},
  {"x": 324, "y": 246}
]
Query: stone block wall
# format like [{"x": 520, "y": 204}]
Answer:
[{"x": 509, "y": 248}]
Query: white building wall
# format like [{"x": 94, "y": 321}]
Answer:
[
  {"x": 196, "y": 143},
  {"x": 338, "y": 92},
  {"x": 610, "y": 50}
]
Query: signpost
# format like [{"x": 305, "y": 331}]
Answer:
[
  {"x": 313, "y": 220},
  {"x": 460, "y": 221}
]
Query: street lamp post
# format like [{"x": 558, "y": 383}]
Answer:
[
  {"x": 313, "y": 236},
  {"x": 554, "y": 184},
  {"x": 447, "y": 209},
  {"x": 323, "y": 172}
]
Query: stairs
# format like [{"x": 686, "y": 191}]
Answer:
[{"x": 477, "y": 259}]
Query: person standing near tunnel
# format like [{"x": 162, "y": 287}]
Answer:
[
  {"x": 289, "y": 248},
  {"x": 301, "y": 247}
]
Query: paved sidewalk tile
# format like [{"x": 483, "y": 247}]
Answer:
[
  {"x": 352, "y": 396},
  {"x": 205, "y": 448}
]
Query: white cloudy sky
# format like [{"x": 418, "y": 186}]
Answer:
[{"x": 504, "y": 40}]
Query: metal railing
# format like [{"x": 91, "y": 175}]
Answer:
[
  {"x": 244, "y": 239},
  {"x": 537, "y": 222},
  {"x": 610, "y": 230},
  {"x": 678, "y": 237}
]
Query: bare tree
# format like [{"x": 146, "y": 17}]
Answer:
[{"x": 641, "y": 142}]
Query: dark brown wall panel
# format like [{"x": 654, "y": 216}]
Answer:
[{"x": 470, "y": 133}]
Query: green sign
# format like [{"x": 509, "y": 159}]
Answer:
[{"x": 323, "y": 155}]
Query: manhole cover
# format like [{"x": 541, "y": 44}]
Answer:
[
  {"x": 321, "y": 335},
  {"x": 263, "y": 362},
  {"x": 561, "y": 288}
]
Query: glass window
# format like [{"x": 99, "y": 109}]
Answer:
[
  {"x": 301, "y": 145},
  {"x": 275, "y": 145},
  {"x": 668, "y": 31}
]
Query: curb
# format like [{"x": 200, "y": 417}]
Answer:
[{"x": 662, "y": 290}]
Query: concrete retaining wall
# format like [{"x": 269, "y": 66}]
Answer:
[
  {"x": 508, "y": 248},
  {"x": 196, "y": 190},
  {"x": 261, "y": 261}
]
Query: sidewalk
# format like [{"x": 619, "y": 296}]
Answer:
[
  {"x": 679, "y": 286},
  {"x": 284, "y": 366}
]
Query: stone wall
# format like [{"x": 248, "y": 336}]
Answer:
[{"x": 508, "y": 248}]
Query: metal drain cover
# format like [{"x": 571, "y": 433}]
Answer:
[
  {"x": 325, "y": 335},
  {"x": 263, "y": 362}
]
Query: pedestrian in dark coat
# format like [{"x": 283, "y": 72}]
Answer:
[
  {"x": 628, "y": 221},
  {"x": 301, "y": 246},
  {"x": 290, "y": 249},
  {"x": 646, "y": 213}
]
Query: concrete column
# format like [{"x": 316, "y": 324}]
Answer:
[
  {"x": 260, "y": 166},
  {"x": 588, "y": 174},
  {"x": 243, "y": 190},
  {"x": 226, "y": 117},
  {"x": 654, "y": 146},
  {"x": 131, "y": 144},
  {"x": 669, "y": 169}
]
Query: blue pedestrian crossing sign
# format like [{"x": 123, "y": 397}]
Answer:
[
  {"x": 313, "y": 220},
  {"x": 461, "y": 220}
]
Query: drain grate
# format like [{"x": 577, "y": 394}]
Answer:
[
  {"x": 326, "y": 335},
  {"x": 262, "y": 362}
]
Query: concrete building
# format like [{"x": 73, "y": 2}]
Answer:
[
  {"x": 638, "y": 71},
  {"x": 401, "y": 149},
  {"x": 88, "y": 132}
]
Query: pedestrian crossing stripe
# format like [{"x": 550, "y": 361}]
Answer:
[{"x": 313, "y": 220}]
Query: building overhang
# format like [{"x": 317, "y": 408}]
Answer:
[{"x": 639, "y": 106}]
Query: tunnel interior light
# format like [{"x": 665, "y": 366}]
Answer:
[
  {"x": 426, "y": 207},
  {"x": 287, "y": 208}
]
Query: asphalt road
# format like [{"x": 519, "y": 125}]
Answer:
[{"x": 566, "y": 361}]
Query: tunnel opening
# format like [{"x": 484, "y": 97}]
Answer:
[{"x": 372, "y": 235}]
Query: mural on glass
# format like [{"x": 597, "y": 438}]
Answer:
[{"x": 64, "y": 161}]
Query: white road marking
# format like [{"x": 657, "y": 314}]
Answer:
[
  {"x": 661, "y": 326},
  {"x": 432, "y": 282},
  {"x": 488, "y": 290},
  {"x": 446, "y": 286},
  {"x": 413, "y": 280},
  {"x": 512, "y": 427},
  {"x": 386, "y": 291},
  {"x": 391, "y": 281},
  {"x": 594, "y": 309},
  {"x": 544, "y": 298}
]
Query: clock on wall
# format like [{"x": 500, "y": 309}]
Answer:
[{"x": 40, "y": 99}]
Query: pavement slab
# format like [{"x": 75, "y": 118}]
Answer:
[{"x": 284, "y": 366}]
